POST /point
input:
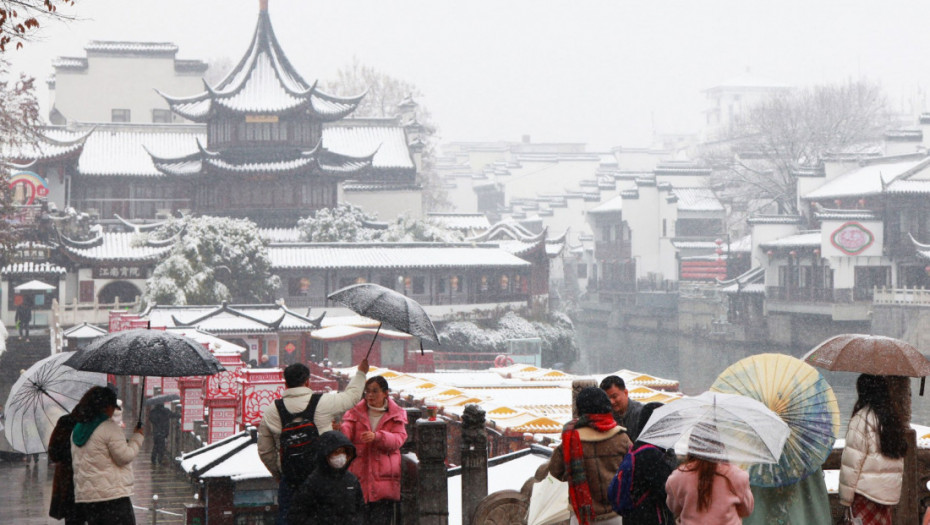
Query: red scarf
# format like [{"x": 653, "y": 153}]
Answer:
[{"x": 579, "y": 493}]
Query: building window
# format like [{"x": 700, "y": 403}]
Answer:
[
  {"x": 159, "y": 116},
  {"x": 297, "y": 286},
  {"x": 119, "y": 115}
]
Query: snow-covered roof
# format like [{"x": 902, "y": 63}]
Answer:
[
  {"x": 348, "y": 320},
  {"x": 52, "y": 143},
  {"x": 461, "y": 221},
  {"x": 214, "y": 343},
  {"x": 908, "y": 187},
  {"x": 388, "y": 255},
  {"x": 84, "y": 331},
  {"x": 697, "y": 199},
  {"x": 110, "y": 46},
  {"x": 870, "y": 178},
  {"x": 807, "y": 239},
  {"x": 614, "y": 205},
  {"x": 848, "y": 215},
  {"x": 338, "y": 332},
  {"x": 235, "y": 457},
  {"x": 775, "y": 219},
  {"x": 69, "y": 63},
  {"x": 34, "y": 285},
  {"x": 279, "y": 234},
  {"x": 123, "y": 149},
  {"x": 389, "y": 143},
  {"x": 30, "y": 267},
  {"x": 263, "y": 82},
  {"x": 226, "y": 319},
  {"x": 117, "y": 247}
]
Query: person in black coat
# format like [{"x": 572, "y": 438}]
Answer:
[
  {"x": 62, "y": 505},
  {"x": 653, "y": 467},
  {"x": 331, "y": 495},
  {"x": 160, "y": 418}
]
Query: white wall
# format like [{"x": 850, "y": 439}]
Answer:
[{"x": 388, "y": 205}]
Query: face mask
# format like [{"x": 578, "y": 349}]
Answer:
[{"x": 338, "y": 461}]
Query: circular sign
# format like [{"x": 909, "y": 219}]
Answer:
[{"x": 852, "y": 238}]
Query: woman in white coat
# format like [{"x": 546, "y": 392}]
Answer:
[
  {"x": 872, "y": 468},
  {"x": 102, "y": 460}
]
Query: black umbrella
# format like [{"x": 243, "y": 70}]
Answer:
[
  {"x": 144, "y": 353},
  {"x": 387, "y": 306}
]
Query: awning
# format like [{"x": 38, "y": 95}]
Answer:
[{"x": 34, "y": 286}]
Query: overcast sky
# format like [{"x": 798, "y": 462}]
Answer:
[{"x": 606, "y": 73}]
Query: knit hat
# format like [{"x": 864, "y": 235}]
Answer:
[{"x": 592, "y": 400}]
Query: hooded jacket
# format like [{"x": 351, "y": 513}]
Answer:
[
  {"x": 864, "y": 470},
  {"x": 329, "y": 496},
  {"x": 378, "y": 462},
  {"x": 103, "y": 464}
]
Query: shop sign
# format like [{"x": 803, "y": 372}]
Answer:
[{"x": 852, "y": 238}]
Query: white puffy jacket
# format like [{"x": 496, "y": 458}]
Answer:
[
  {"x": 864, "y": 469},
  {"x": 103, "y": 466}
]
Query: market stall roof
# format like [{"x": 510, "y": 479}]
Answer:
[{"x": 235, "y": 457}]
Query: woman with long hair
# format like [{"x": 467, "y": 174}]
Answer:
[
  {"x": 701, "y": 491},
  {"x": 377, "y": 428},
  {"x": 102, "y": 460},
  {"x": 872, "y": 468}
]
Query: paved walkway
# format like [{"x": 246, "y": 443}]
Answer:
[{"x": 25, "y": 490}]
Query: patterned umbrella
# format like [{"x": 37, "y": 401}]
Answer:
[
  {"x": 41, "y": 395},
  {"x": 802, "y": 398}
]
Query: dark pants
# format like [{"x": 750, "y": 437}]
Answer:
[
  {"x": 158, "y": 448},
  {"x": 110, "y": 512},
  {"x": 285, "y": 493},
  {"x": 380, "y": 512},
  {"x": 24, "y": 329}
]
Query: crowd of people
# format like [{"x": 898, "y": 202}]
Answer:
[{"x": 336, "y": 457}]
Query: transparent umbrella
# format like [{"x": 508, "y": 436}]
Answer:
[
  {"x": 43, "y": 393},
  {"x": 718, "y": 427}
]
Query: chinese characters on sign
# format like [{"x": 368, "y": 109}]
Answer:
[
  {"x": 118, "y": 272},
  {"x": 852, "y": 238}
]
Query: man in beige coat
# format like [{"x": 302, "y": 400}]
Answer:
[{"x": 296, "y": 398}]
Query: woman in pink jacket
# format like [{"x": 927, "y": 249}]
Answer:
[{"x": 377, "y": 428}]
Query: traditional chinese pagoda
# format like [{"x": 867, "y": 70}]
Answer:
[{"x": 267, "y": 156}]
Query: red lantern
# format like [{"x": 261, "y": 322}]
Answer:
[
  {"x": 719, "y": 251},
  {"x": 816, "y": 251},
  {"x": 793, "y": 253},
  {"x": 770, "y": 253},
  {"x": 927, "y": 269},
  {"x": 838, "y": 203},
  {"x": 862, "y": 202},
  {"x": 718, "y": 242}
]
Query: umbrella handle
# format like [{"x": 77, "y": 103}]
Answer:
[
  {"x": 141, "y": 403},
  {"x": 372, "y": 345}
]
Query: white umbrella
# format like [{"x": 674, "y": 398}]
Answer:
[
  {"x": 549, "y": 502},
  {"x": 718, "y": 427},
  {"x": 34, "y": 286}
]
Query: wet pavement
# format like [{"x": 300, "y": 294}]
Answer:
[{"x": 25, "y": 490}]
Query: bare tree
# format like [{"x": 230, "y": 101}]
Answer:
[
  {"x": 20, "y": 19},
  {"x": 759, "y": 159},
  {"x": 383, "y": 94}
]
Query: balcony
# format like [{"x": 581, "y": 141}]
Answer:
[{"x": 839, "y": 304}]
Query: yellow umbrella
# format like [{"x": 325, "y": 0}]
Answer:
[{"x": 802, "y": 398}]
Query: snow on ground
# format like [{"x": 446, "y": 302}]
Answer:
[{"x": 510, "y": 475}]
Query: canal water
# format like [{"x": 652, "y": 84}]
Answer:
[{"x": 697, "y": 361}]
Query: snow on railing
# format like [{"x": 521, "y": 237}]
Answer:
[{"x": 903, "y": 296}]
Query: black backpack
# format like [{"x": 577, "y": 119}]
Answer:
[{"x": 298, "y": 441}]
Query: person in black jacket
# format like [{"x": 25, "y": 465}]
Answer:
[
  {"x": 653, "y": 467},
  {"x": 62, "y": 505},
  {"x": 331, "y": 495},
  {"x": 160, "y": 418}
]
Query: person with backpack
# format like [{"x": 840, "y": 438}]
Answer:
[
  {"x": 377, "y": 428},
  {"x": 637, "y": 493},
  {"x": 331, "y": 494},
  {"x": 592, "y": 448},
  {"x": 291, "y": 426}
]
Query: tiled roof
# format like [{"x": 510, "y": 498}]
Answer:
[
  {"x": 800, "y": 240},
  {"x": 120, "y": 150},
  {"x": 389, "y": 144},
  {"x": 697, "y": 199},
  {"x": 280, "y": 234},
  {"x": 31, "y": 268},
  {"x": 84, "y": 331},
  {"x": 118, "y": 247},
  {"x": 904, "y": 135},
  {"x": 614, "y": 205},
  {"x": 235, "y": 457},
  {"x": 386, "y": 255},
  {"x": 869, "y": 178},
  {"x": 52, "y": 143},
  {"x": 219, "y": 319},
  {"x": 848, "y": 215},
  {"x": 775, "y": 219},
  {"x": 78, "y": 63},
  {"x": 461, "y": 221},
  {"x": 908, "y": 187},
  {"x": 106, "y": 46},
  {"x": 264, "y": 82}
]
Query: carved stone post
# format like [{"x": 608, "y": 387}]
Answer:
[
  {"x": 907, "y": 509},
  {"x": 474, "y": 461},
  {"x": 433, "y": 486},
  {"x": 577, "y": 386}
]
